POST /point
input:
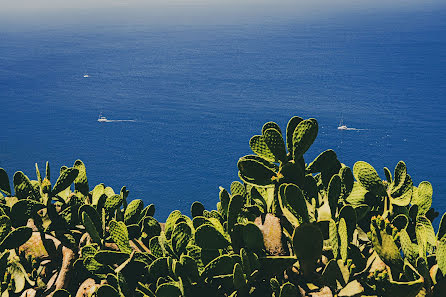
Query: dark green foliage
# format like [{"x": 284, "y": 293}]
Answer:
[{"x": 287, "y": 229}]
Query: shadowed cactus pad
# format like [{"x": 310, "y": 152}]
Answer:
[{"x": 307, "y": 245}]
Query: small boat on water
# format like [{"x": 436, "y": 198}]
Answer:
[
  {"x": 86, "y": 75},
  {"x": 342, "y": 126},
  {"x": 102, "y": 118}
]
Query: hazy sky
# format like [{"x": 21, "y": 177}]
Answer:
[{"x": 190, "y": 11}]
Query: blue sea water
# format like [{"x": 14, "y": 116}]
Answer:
[{"x": 198, "y": 93}]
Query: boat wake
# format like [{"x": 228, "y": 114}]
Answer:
[
  {"x": 112, "y": 121},
  {"x": 103, "y": 119},
  {"x": 352, "y": 129}
]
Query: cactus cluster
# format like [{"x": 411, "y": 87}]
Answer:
[{"x": 287, "y": 228}]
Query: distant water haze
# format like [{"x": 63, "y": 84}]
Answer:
[
  {"x": 41, "y": 13},
  {"x": 197, "y": 94}
]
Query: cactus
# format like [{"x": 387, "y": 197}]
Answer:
[
  {"x": 23, "y": 187},
  {"x": 307, "y": 246},
  {"x": 133, "y": 211},
  {"x": 4, "y": 182},
  {"x": 367, "y": 176},
  {"x": 422, "y": 196},
  {"x": 16, "y": 238},
  {"x": 66, "y": 178},
  {"x": 384, "y": 244},
  {"x": 303, "y": 137},
  {"x": 288, "y": 290},
  {"x": 208, "y": 237},
  {"x": 119, "y": 234},
  {"x": 81, "y": 182},
  {"x": 107, "y": 291},
  {"x": 293, "y": 205},
  {"x": 181, "y": 235}
]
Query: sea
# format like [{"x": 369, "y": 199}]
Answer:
[{"x": 183, "y": 101}]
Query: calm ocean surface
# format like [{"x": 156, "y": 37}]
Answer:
[{"x": 197, "y": 95}]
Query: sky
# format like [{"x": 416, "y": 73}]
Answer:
[{"x": 23, "y": 12}]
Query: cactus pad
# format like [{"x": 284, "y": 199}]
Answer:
[
  {"x": 209, "y": 238},
  {"x": 274, "y": 141},
  {"x": 369, "y": 178},
  {"x": 303, "y": 137},
  {"x": 65, "y": 179},
  {"x": 81, "y": 182},
  {"x": 4, "y": 182},
  {"x": 119, "y": 234}
]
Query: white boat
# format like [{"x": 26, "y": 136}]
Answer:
[
  {"x": 102, "y": 118},
  {"x": 342, "y": 126},
  {"x": 86, "y": 75}
]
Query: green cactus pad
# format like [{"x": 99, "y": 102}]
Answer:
[
  {"x": 349, "y": 214},
  {"x": 274, "y": 140},
  {"x": 324, "y": 161},
  {"x": 150, "y": 227},
  {"x": 81, "y": 182},
  {"x": 23, "y": 187},
  {"x": 291, "y": 126},
  {"x": 369, "y": 178},
  {"x": 255, "y": 171},
  {"x": 107, "y": 291},
  {"x": 237, "y": 188},
  {"x": 119, "y": 234},
  {"x": 24, "y": 209},
  {"x": 343, "y": 236},
  {"x": 197, "y": 209},
  {"x": 259, "y": 147},
  {"x": 303, "y": 137},
  {"x": 253, "y": 237},
  {"x": 271, "y": 125},
  {"x": 95, "y": 267},
  {"x": 422, "y": 197},
  {"x": 425, "y": 230},
  {"x": 110, "y": 257},
  {"x": 388, "y": 175},
  {"x": 410, "y": 250},
  {"x": 96, "y": 194},
  {"x": 289, "y": 290},
  {"x": 65, "y": 179},
  {"x": 357, "y": 195},
  {"x": 442, "y": 228},
  {"x": 190, "y": 267},
  {"x": 168, "y": 290},
  {"x": 170, "y": 222},
  {"x": 219, "y": 266},
  {"x": 16, "y": 238},
  {"x": 91, "y": 228},
  {"x": 333, "y": 193},
  {"x": 293, "y": 205},
  {"x": 441, "y": 256},
  {"x": 384, "y": 245},
  {"x": 5, "y": 226},
  {"x": 113, "y": 202},
  {"x": 181, "y": 235},
  {"x": 400, "y": 176},
  {"x": 209, "y": 238},
  {"x": 93, "y": 214},
  {"x": 4, "y": 182},
  {"x": 307, "y": 242},
  {"x": 334, "y": 239},
  {"x": 224, "y": 201},
  {"x": 133, "y": 211},
  {"x": 235, "y": 207},
  {"x": 238, "y": 278},
  {"x": 347, "y": 180}
]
